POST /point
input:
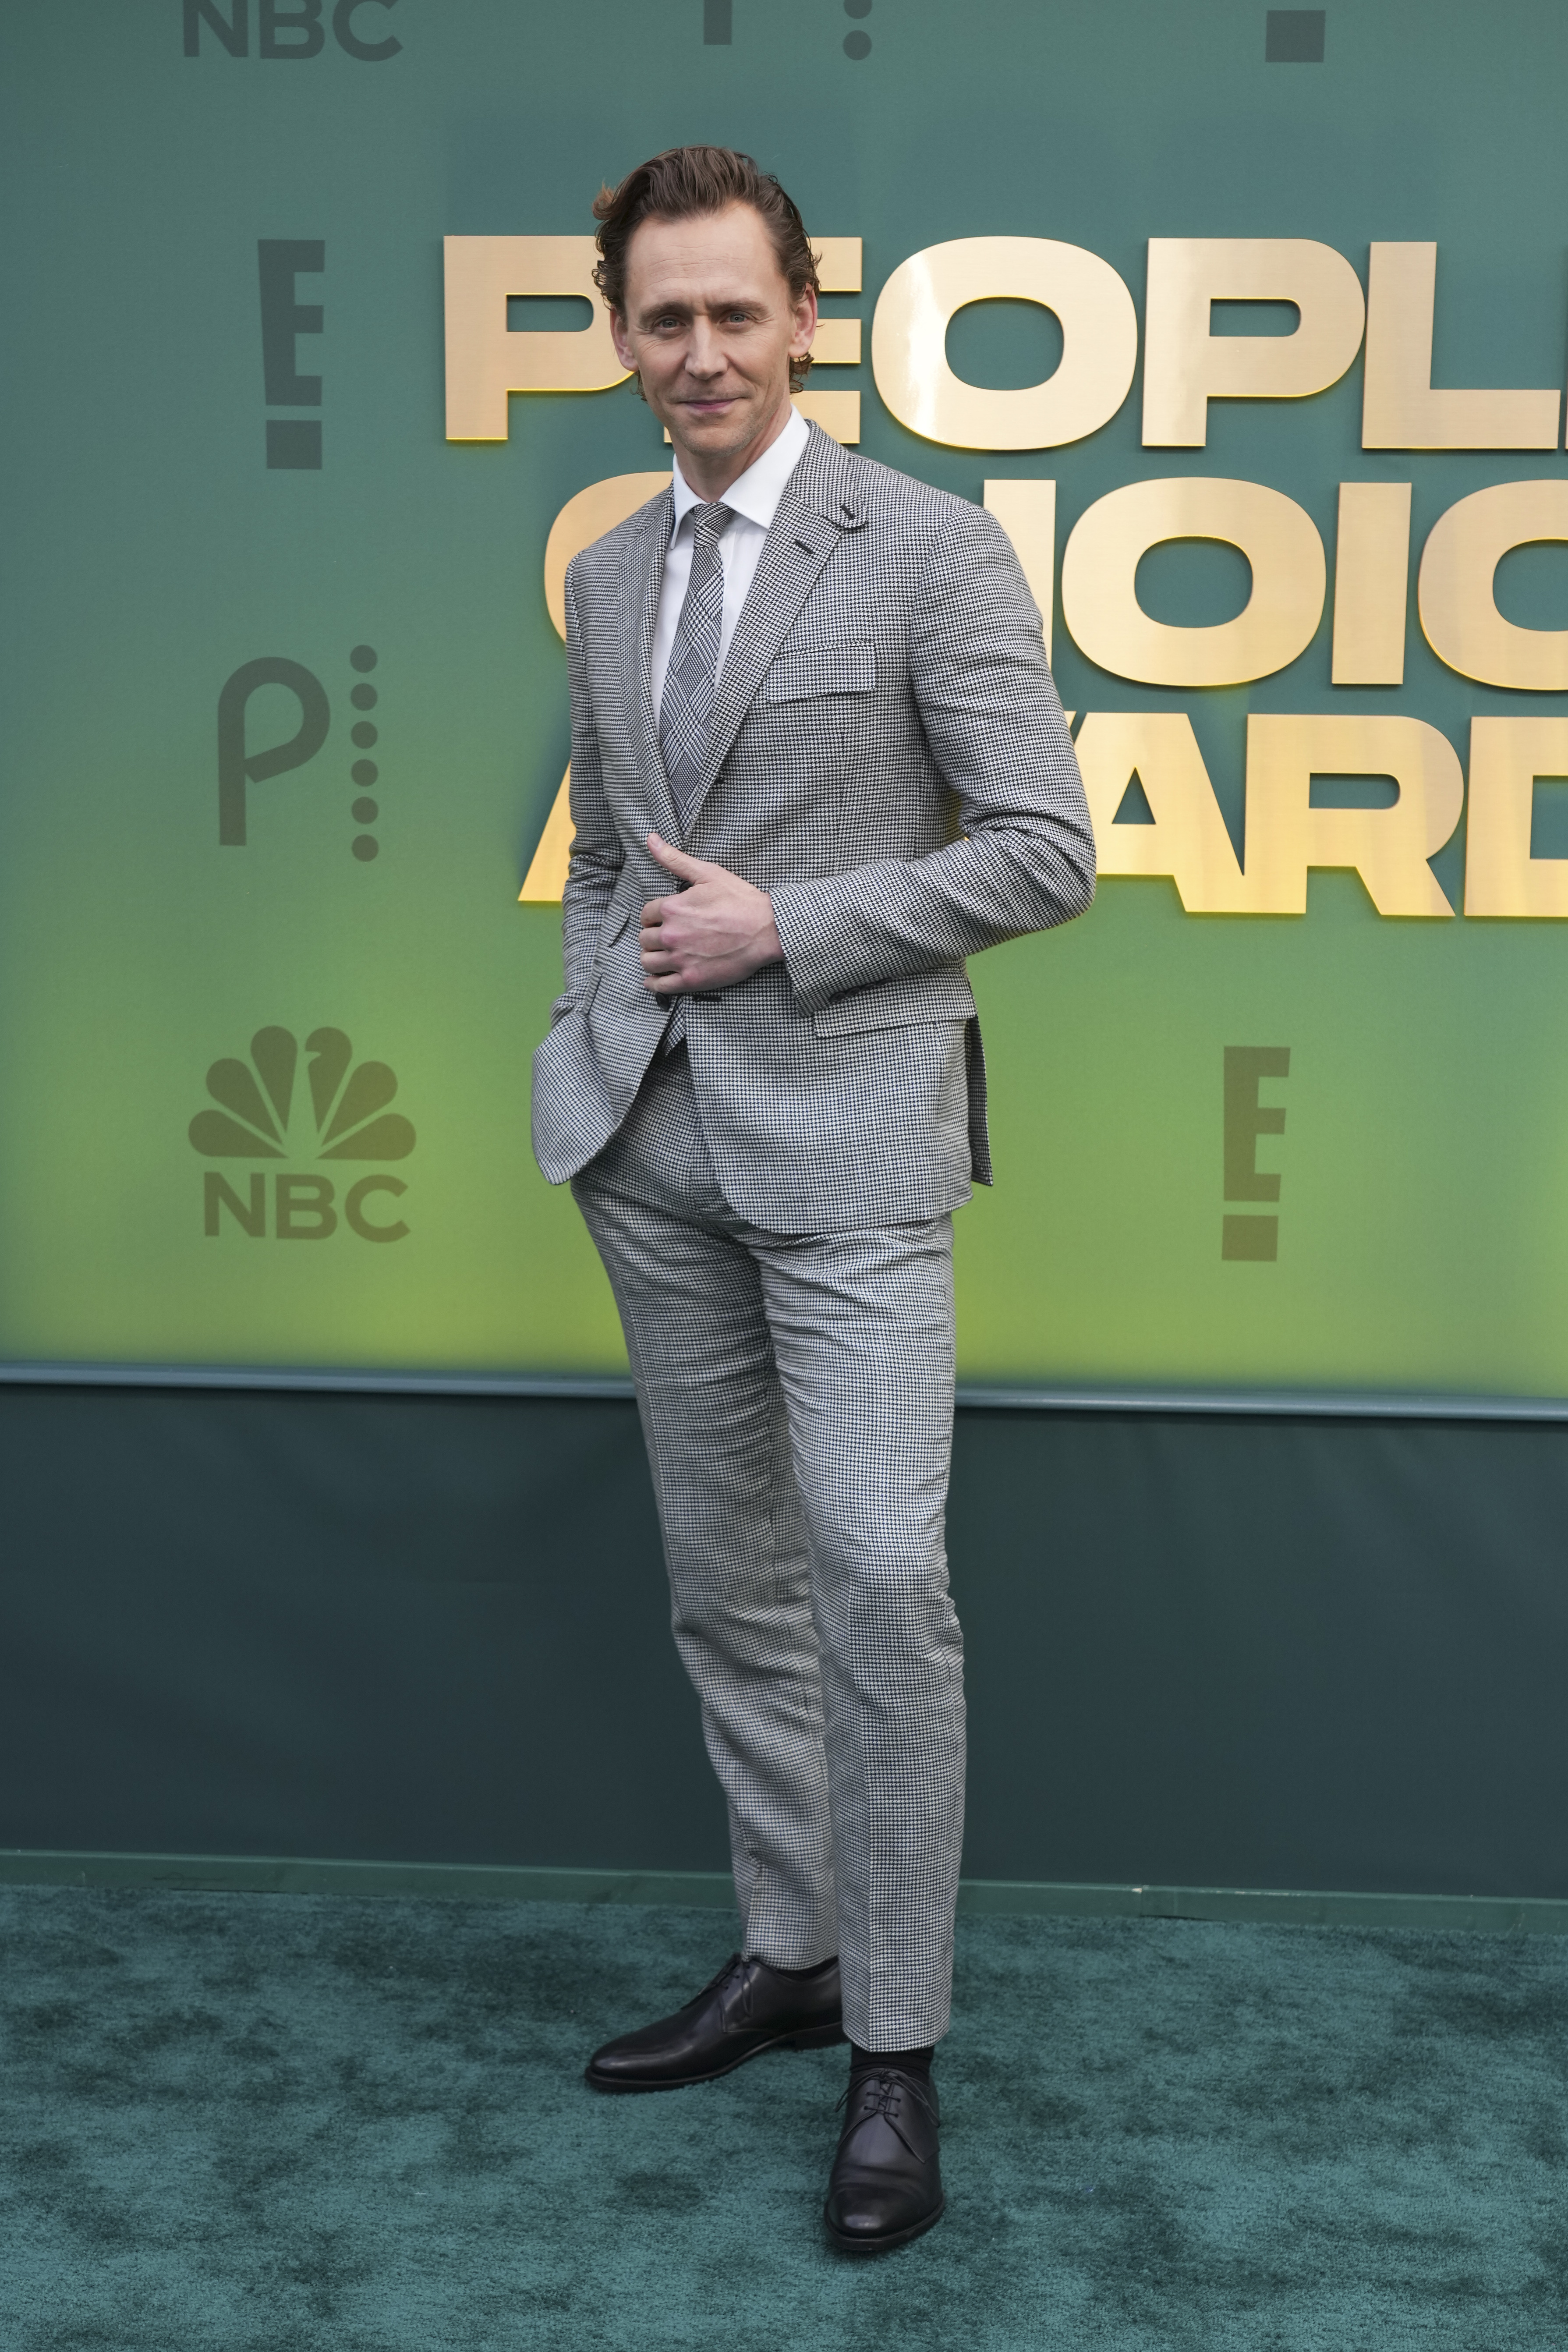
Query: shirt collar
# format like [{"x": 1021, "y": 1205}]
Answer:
[{"x": 757, "y": 492}]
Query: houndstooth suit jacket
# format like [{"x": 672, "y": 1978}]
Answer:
[{"x": 886, "y": 757}]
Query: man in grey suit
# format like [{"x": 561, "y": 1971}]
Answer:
[{"x": 816, "y": 759}]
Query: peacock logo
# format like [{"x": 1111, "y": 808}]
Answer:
[{"x": 265, "y": 1112}]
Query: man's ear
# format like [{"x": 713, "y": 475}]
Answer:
[
  {"x": 804, "y": 324},
  {"x": 624, "y": 351}
]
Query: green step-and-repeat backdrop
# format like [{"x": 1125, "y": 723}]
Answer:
[{"x": 1249, "y": 324}]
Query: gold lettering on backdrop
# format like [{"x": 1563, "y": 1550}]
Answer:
[
  {"x": 1187, "y": 839},
  {"x": 1280, "y": 540},
  {"x": 838, "y": 413},
  {"x": 908, "y": 343},
  {"x": 1459, "y": 565},
  {"x": 582, "y": 520},
  {"x": 545, "y": 881},
  {"x": 1372, "y": 576},
  {"x": 485, "y": 360},
  {"x": 838, "y": 342},
  {"x": 1400, "y": 409},
  {"x": 1502, "y": 877},
  {"x": 1388, "y": 847},
  {"x": 1028, "y": 513},
  {"x": 1185, "y": 366}
]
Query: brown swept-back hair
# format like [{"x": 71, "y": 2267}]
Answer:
[{"x": 683, "y": 183}]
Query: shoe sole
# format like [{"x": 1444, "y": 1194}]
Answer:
[
  {"x": 819, "y": 2037},
  {"x": 848, "y": 2245}
]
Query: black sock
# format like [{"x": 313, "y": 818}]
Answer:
[
  {"x": 912, "y": 2062},
  {"x": 817, "y": 1971}
]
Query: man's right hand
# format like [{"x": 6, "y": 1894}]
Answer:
[{"x": 716, "y": 931}]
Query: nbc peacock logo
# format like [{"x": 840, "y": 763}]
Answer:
[{"x": 337, "y": 1110}]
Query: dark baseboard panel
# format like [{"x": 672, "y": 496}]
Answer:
[{"x": 710, "y": 1890}]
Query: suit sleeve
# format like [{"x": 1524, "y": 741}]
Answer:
[
  {"x": 597, "y": 850},
  {"x": 1024, "y": 860}
]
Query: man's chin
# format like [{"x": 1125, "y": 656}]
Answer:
[{"x": 715, "y": 435}]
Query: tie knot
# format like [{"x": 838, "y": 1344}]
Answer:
[{"x": 708, "y": 522}]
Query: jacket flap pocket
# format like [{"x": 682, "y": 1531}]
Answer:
[
  {"x": 897, "y": 1005},
  {"x": 804, "y": 670},
  {"x": 615, "y": 921}
]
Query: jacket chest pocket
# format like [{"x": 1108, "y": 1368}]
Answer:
[
  {"x": 813, "y": 713},
  {"x": 801, "y": 673}
]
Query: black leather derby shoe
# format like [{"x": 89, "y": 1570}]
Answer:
[
  {"x": 886, "y": 2183},
  {"x": 747, "y": 2009}
]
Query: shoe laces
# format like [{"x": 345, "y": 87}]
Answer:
[
  {"x": 881, "y": 2091},
  {"x": 734, "y": 1962}
]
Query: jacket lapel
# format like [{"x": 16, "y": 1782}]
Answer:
[
  {"x": 818, "y": 508},
  {"x": 642, "y": 578}
]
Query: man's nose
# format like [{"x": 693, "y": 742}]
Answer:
[{"x": 704, "y": 352}]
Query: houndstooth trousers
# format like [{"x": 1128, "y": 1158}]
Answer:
[{"x": 797, "y": 1401}]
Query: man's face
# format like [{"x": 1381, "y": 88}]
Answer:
[{"x": 711, "y": 329}]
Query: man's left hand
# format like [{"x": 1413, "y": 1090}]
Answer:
[{"x": 718, "y": 930}]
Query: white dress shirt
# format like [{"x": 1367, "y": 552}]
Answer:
[{"x": 753, "y": 500}]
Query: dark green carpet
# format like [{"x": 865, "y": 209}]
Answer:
[{"x": 312, "y": 2124}]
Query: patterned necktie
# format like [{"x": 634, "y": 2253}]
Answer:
[{"x": 694, "y": 659}]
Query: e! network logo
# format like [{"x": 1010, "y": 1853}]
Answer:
[{"x": 263, "y": 1116}]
